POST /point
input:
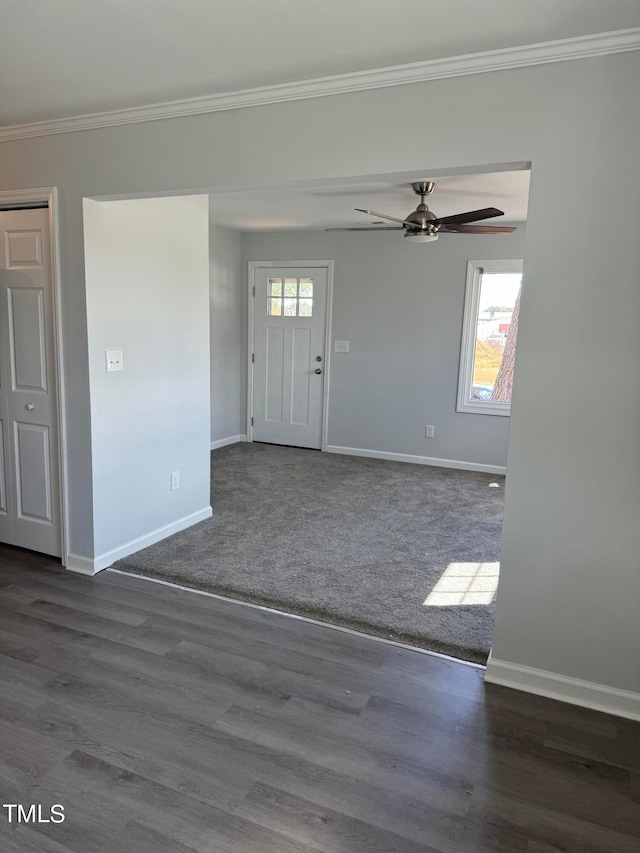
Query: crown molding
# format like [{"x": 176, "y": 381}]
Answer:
[{"x": 580, "y": 47}]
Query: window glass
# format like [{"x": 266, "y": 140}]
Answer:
[
  {"x": 499, "y": 293},
  {"x": 305, "y": 307},
  {"x": 306, "y": 287},
  {"x": 290, "y": 297},
  {"x": 275, "y": 307}
]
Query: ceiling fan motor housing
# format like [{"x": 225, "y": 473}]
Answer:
[{"x": 422, "y": 217}]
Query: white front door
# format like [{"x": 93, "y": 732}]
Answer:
[
  {"x": 29, "y": 459},
  {"x": 290, "y": 308}
]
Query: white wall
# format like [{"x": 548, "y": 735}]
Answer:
[
  {"x": 400, "y": 306},
  {"x": 228, "y": 334},
  {"x": 147, "y": 282},
  {"x": 570, "y": 584}
]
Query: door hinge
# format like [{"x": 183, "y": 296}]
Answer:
[
  {"x": 253, "y": 358},
  {"x": 251, "y": 421},
  {"x": 254, "y": 290}
]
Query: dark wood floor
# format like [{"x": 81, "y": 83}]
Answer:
[{"x": 167, "y": 721}]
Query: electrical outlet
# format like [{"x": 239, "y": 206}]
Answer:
[
  {"x": 429, "y": 431},
  {"x": 175, "y": 480}
]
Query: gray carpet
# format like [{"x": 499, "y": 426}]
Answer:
[{"x": 357, "y": 542}]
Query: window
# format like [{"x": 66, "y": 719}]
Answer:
[
  {"x": 290, "y": 297},
  {"x": 491, "y": 310}
]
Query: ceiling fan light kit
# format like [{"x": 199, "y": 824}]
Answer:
[
  {"x": 423, "y": 226},
  {"x": 420, "y": 238}
]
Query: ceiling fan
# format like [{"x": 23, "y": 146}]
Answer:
[{"x": 423, "y": 226}]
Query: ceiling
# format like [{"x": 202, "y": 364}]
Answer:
[
  {"x": 325, "y": 206},
  {"x": 61, "y": 58}
]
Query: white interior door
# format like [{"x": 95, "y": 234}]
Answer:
[
  {"x": 290, "y": 315},
  {"x": 29, "y": 460}
]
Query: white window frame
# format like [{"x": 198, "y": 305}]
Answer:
[{"x": 475, "y": 270}]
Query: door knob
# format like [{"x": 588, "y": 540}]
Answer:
[
  {"x": 318, "y": 358},
  {"x": 317, "y": 370},
  {"x": 29, "y": 407}
]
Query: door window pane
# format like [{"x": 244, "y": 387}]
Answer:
[
  {"x": 306, "y": 287},
  {"x": 290, "y": 297}
]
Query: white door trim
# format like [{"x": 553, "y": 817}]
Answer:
[
  {"x": 49, "y": 196},
  {"x": 254, "y": 266}
]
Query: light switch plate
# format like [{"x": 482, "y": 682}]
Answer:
[
  {"x": 113, "y": 359},
  {"x": 341, "y": 346}
]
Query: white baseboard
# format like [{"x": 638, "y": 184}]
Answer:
[
  {"x": 79, "y": 564},
  {"x": 587, "y": 694},
  {"x": 91, "y": 566},
  {"x": 232, "y": 439},
  {"x": 417, "y": 460}
]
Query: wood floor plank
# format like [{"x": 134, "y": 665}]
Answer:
[
  {"x": 20, "y": 648},
  {"x": 309, "y": 823},
  {"x": 98, "y": 626},
  {"x": 430, "y": 743},
  {"x": 359, "y": 756},
  {"x": 261, "y": 677},
  {"x": 135, "y": 835},
  {"x": 552, "y": 825},
  {"x": 333, "y": 662},
  {"x": 29, "y": 631},
  {"x": 173, "y": 722},
  {"x": 22, "y": 838},
  {"x": 84, "y": 602},
  {"x": 121, "y": 689},
  {"x": 583, "y": 795},
  {"x": 28, "y": 753},
  {"x": 179, "y": 758},
  {"x": 343, "y": 678},
  {"x": 566, "y": 739},
  {"x": 190, "y": 822}
]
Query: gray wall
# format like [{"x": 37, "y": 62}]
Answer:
[
  {"x": 228, "y": 334},
  {"x": 570, "y": 584},
  {"x": 147, "y": 295},
  {"x": 400, "y": 305}
]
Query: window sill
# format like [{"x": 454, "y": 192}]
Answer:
[{"x": 489, "y": 408}]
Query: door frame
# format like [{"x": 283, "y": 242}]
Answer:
[
  {"x": 49, "y": 196},
  {"x": 253, "y": 267}
]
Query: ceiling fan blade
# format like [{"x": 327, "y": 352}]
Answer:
[
  {"x": 470, "y": 216},
  {"x": 385, "y": 216},
  {"x": 369, "y": 228},
  {"x": 476, "y": 229}
]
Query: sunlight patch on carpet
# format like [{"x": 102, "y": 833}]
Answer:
[{"x": 465, "y": 583}]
